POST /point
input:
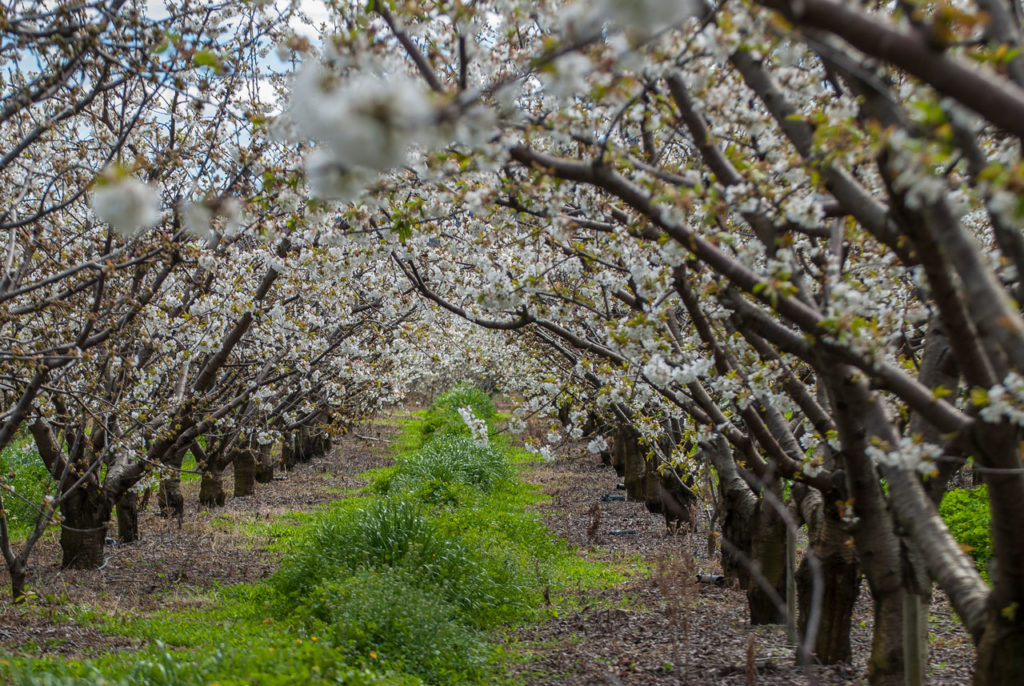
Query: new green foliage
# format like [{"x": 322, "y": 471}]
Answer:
[{"x": 26, "y": 482}]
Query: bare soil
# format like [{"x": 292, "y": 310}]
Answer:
[
  {"x": 658, "y": 627},
  {"x": 666, "y": 628}
]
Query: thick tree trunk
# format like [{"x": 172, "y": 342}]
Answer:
[
  {"x": 289, "y": 452},
  {"x": 1001, "y": 651},
  {"x": 84, "y": 528},
  {"x": 768, "y": 559},
  {"x": 885, "y": 667},
  {"x": 305, "y": 448},
  {"x": 668, "y": 496},
  {"x": 211, "y": 484},
  {"x": 170, "y": 500},
  {"x": 841, "y": 578},
  {"x": 737, "y": 507},
  {"x": 634, "y": 463},
  {"x": 858, "y": 416},
  {"x": 211, "y": 488},
  {"x": 245, "y": 471},
  {"x": 615, "y": 457},
  {"x": 264, "y": 472},
  {"x": 128, "y": 517}
]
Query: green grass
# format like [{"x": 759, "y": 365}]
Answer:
[{"x": 414, "y": 582}]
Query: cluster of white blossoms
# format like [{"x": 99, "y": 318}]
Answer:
[
  {"x": 908, "y": 455},
  {"x": 1006, "y": 400},
  {"x": 477, "y": 426},
  {"x": 129, "y": 205},
  {"x": 364, "y": 125}
]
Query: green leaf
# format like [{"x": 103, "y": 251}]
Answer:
[
  {"x": 979, "y": 397},
  {"x": 403, "y": 229},
  {"x": 208, "y": 58}
]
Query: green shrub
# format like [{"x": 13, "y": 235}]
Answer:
[
  {"x": 386, "y": 617},
  {"x": 966, "y": 513},
  {"x": 23, "y": 470}
]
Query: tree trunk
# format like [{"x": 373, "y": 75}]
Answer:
[
  {"x": 264, "y": 471},
  {"x": 841, "y": 578},
  {"x": 634, "y": 463},
  {"x": 128, "y": 517},
  {"x": 84, "y": 528},
  {"x": 211, "y": 487},
  {"x": 768, "y": 559},
  {"x": 885, "y": 667},
  {"x": 875, "y": 538},
  {"x": 245, "y": 471},
  {"x": 170, "y": 500},
  {"x": 211, "y": 484},
  {"x": 615, "y": 458},
  {"x": 737, "y": 507},
  {"x": 17, "y": 571},
  {"x": 1001, "y": 651},
  {"x": 304, "y": 445},
  {"x": 289, "y": 456}
]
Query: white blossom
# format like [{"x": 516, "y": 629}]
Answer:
[{"x": 127, "y": 204}]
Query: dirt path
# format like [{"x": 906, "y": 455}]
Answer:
[{"x": 665, "y": 628}]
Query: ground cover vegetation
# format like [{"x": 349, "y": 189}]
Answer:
[
  {"x": 387, "y": 586},
  {"x": 765, "y": 257}
]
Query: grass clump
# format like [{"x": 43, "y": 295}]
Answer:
[
  {"x": 393, "y": 534},
  {"x": 443, "y": 416},
  {"x": 448, "y": 462}
]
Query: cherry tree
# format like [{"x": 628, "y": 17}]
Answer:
[{"x": 807, "y": 209}]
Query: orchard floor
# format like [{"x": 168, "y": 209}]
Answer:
[
  {"x": 658, "y": 627},
  {"x": 665, "y": 628}
]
